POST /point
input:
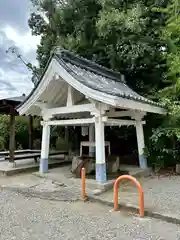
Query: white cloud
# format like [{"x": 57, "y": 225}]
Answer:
[
  {"x": 15, "y": 83},
  {"x": 25, "y": 42},
  {"x": 15, "y": 79}
]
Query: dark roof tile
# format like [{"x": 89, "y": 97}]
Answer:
[
  {"x": 94, "y": 76},
  {"x": 98, "y": 77}
]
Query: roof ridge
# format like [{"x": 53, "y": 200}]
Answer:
[{"x": 89, "y": 65}]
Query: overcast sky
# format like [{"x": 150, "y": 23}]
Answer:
[{"x": 15, "y": 79}]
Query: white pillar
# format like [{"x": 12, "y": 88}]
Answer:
[
  {"x": 45, "y": 148},
  {"x": 91, "y": 139},
  {"x": 100, "y": 150},
  {"x": 141, "y": 145}
]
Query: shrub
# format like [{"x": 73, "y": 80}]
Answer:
[{"x": 2, "y": 145}]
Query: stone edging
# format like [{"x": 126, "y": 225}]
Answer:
[{"x": 135, "y": 209}]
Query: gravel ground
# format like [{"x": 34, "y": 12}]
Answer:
[
  {"x": 27, "y": 218},
  {"x": 161, "y": 194}
]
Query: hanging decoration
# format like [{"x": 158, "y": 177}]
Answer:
[{"x": 84, "y": 131}]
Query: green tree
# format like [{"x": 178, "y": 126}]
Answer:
[
  {"x": 34, "y": 70},
  {"x": 70, "y": 24},
  {"x": 166, "y": 138},
  {"x": 123, "y": 35},
  {"x": 131, "y": 31},
  {"x": 21, "y": 132},
  {"x": 4, "y": 131}
]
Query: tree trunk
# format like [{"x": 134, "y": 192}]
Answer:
[
  {"x": 30, "y": 128},
  {"x": 12, "y": 137}
]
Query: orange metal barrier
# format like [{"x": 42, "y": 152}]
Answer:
[
  {"x": 141, "y": 192},
  {"x": 83, "y": 178}
]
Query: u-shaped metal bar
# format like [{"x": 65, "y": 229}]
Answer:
[{"x": 138, "y": 185}]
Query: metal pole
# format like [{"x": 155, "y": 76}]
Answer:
[{"x": 83, "y": 177}]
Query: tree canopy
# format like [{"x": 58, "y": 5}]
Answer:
[
  {"x": 166, "y": 138},
  {"x": 122, "y": 35}
]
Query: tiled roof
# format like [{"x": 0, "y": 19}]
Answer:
[
  {"x": 94, "y": 76},
  {"x": 98, "y": 77}
]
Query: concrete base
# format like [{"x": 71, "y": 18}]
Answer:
[
  {"x": 136, "y": 171},
  {"x": 142, "y": 162},
  {"x": 92, "y": 185},
  {"x": 178, "y": 168},
  {"x": 101, "y": 173},
  {"x": 27, "y": 165},
  {"x": 11, "y": 165},
  {"x": 44, "y": 165}
]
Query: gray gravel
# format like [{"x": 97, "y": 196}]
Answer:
[
  {"x": 28, "y": 218},
  {"x": 161, "y": 195},
  {"x": 50, "y": 191}
]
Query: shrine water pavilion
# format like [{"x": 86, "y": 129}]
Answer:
[{"x": 74, "y": 91}]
